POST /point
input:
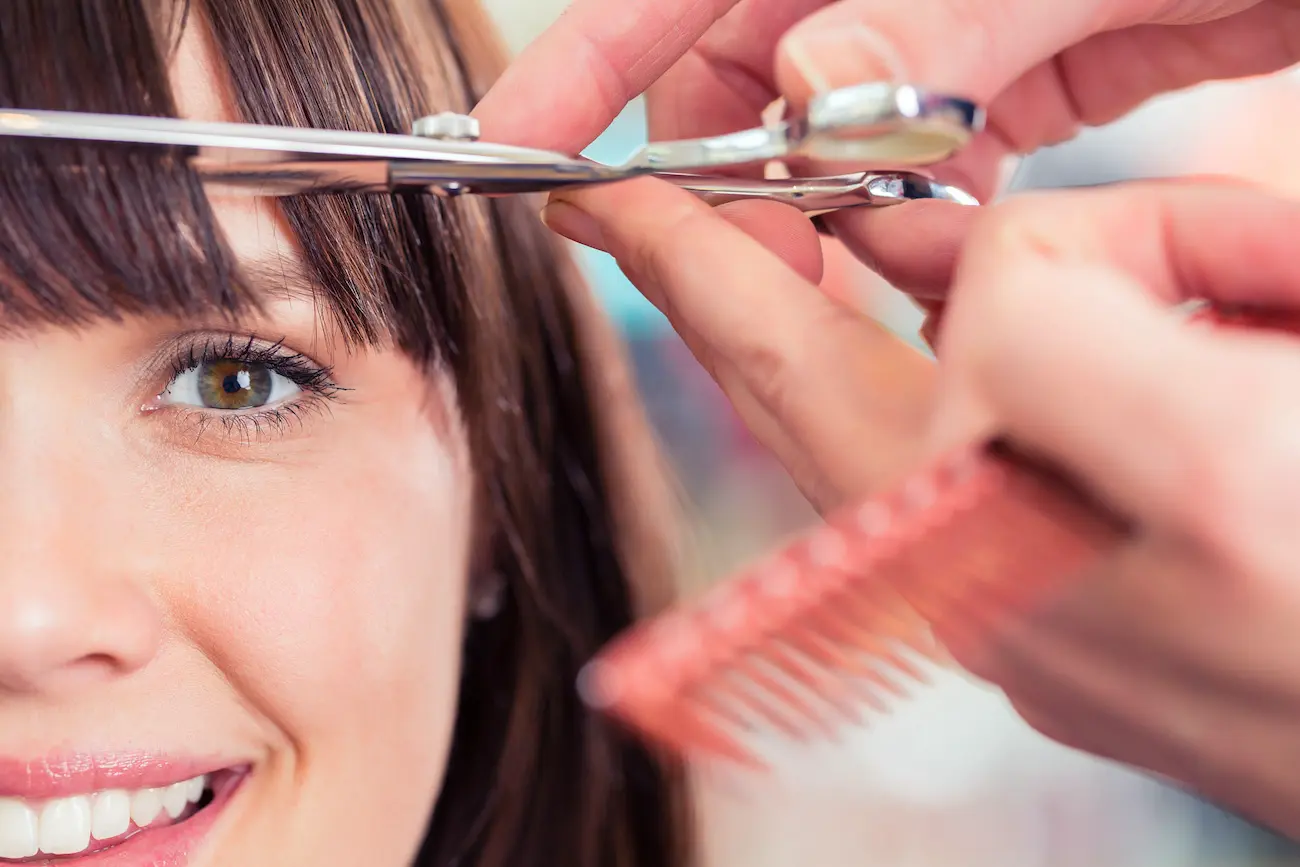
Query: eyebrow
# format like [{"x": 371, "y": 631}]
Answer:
[{"x": 281, "y": 277}]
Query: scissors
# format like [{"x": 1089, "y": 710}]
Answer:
[{"x": 898, "y": 125}]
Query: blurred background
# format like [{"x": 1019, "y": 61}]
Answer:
[{"x": 954, "y": 779}]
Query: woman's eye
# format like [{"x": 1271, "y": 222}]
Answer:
[{"x": 229, "y": 384}]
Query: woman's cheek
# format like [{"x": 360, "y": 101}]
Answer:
[{"x": 330, "y": 592}]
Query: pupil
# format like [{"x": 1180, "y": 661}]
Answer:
[{"x": 236, "y": 382}]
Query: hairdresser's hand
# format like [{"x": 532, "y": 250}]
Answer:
[
  {"x": 839, "y": 400},
  {"x": 1181, "y": 654},
  {"x": 1043, "y": 68}
]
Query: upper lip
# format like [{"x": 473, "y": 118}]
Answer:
[{"x": 82, "y": 773}]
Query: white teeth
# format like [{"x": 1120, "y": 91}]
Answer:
[
  {"x": 175, "y": 798},
  {"x": 65, "y": 825},
  {"x": 111, "y": 814},
  {"x": 194, "y": 793},
  {"x": 145, "y": 806},
  {"x": 18, "y": 829}
]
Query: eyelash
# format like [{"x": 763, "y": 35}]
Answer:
[{"x": 318, "y": 388}]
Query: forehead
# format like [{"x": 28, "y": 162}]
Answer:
[
  {"x": 201, "y": 91},
  {"x": 254, "y": 226}
]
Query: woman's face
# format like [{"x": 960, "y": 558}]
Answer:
[{"x": 238, "y": 553}]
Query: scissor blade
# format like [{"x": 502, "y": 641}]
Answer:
[
  {"x": 244, "y": 142},
  {"x": 438, "y": 177},
  {"x": 281, "y": 161},
  {"x": 821, "y": 195}
]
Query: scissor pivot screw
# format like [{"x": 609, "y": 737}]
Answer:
[{"x": 447, "y": 125}]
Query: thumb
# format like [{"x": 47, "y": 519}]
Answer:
[
  {"x": 1042, "y": 68},
  {"x": 978, "y": 49},
  {"x": 1059, "y": 333}
]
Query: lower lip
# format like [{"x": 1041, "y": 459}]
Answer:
[{"x": 169, "y": 846}]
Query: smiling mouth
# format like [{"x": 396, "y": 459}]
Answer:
[{"x": 75, "y": 830}]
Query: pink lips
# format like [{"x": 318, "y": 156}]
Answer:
[
  {"x": 80, "y": 774},
  {"x": 170, "y": 844}
]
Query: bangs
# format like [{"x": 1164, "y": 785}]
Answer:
[
  {"x": 97, "y": 230},
  {"x": 89, "y": 230}
]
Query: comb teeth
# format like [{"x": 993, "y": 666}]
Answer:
[{"x": 827, "y": 629}]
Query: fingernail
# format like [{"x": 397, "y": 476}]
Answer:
[
  {"x": 842, "y": 55},
  {"x": 564, "y": 218}
]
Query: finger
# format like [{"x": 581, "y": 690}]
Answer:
[
  {"x": 1080, "y": 673},
  {"x": 847, "y": 392},
  {"x": 725, "y": 81},
  {"x": 1182, "y": 238},
  {"x": 981, "y": 49},
  {"x": 1108, "y": 614},
  {"x": 914, "y": 245},
  {"x": 567, "y": 86},
  {"x": 1077, "y": 694},
  {"x": 673, "y": 246},
  {"x": 1043, "y": 69},
  {"x": 786, "y": 234},
  {"x": 1058, "y": 331},
  {"x": 1093, "y": 684}
]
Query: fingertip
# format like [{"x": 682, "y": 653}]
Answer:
[
  {"x": 913, "y": 246},
  {"x": 828, "y": 50},
  {"x": 567, "y": 221},
  {"x": 631, "y": 206}
]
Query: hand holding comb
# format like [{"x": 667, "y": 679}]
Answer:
[{"x": 825, "y": 628}]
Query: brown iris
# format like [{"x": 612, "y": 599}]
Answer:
[{"x": 228, "y": 384}]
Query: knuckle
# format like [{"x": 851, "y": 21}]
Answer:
[
  {"x": 779, "y": 362},
  {"x": 1026, "y": 225},
  {"x": 1034, "y": 234},
  {"x": 768, "y": 374}
]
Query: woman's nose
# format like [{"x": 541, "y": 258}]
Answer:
[
  {"x": 71, "y": 614},
  {"x": 60, "y": 632}
]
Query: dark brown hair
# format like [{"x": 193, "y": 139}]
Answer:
[{"x": 473, "y": 288}]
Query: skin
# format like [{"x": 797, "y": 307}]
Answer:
[
  {"x": 1056, "y": 331},
  {"x": 1042, "y": 69},
  {"x": 255, "y": 597},
  {"x": 712, "y": 66}
]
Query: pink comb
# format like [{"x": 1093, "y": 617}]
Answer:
[{"x": 830, "y": 624}]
